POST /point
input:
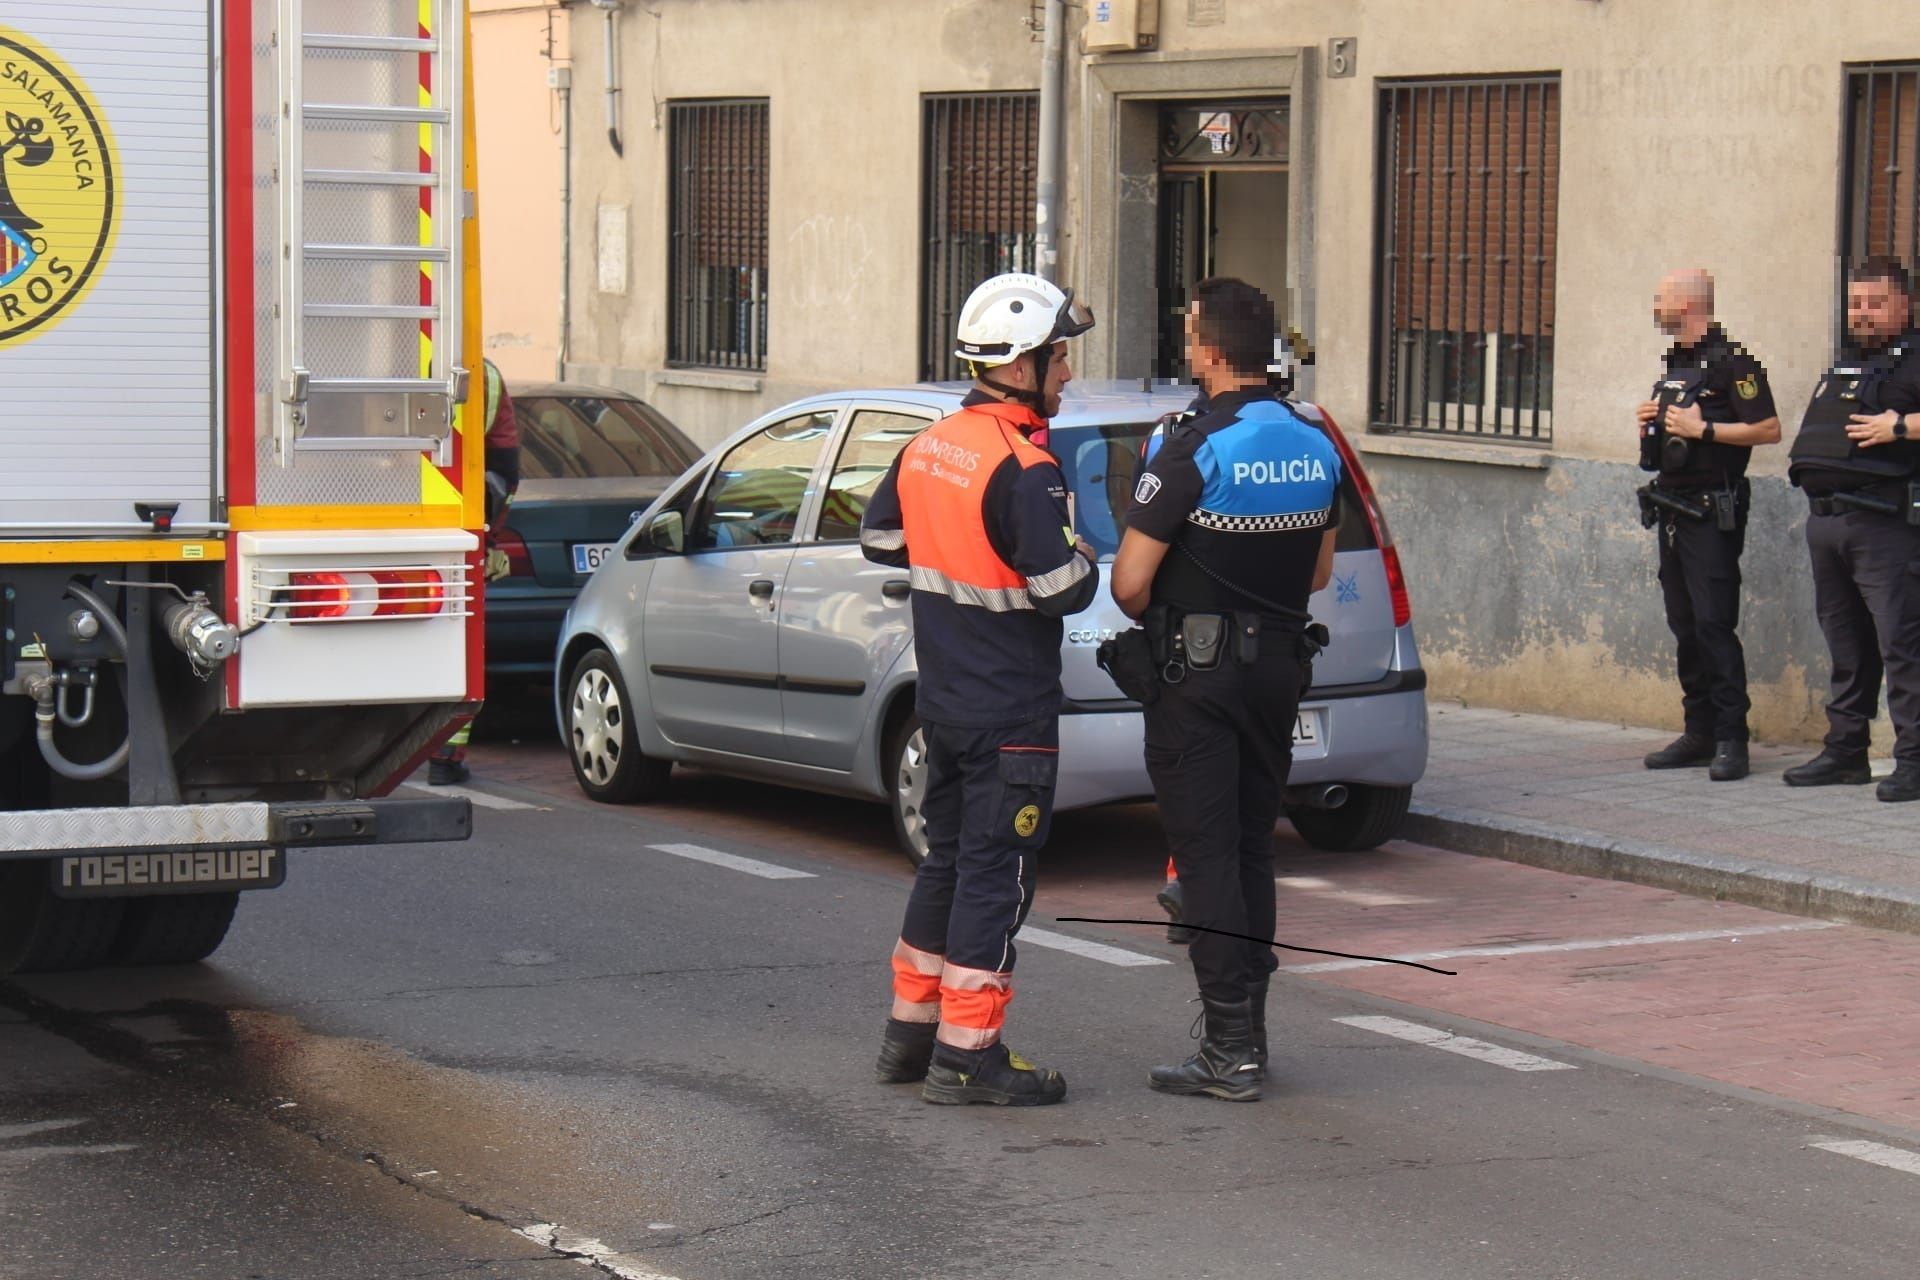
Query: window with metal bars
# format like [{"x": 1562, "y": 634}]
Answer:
[
  {"x": 717, "y": 245},
  {"x": 1467, "y": 208},
  {"x": 1881, "y": 197},
  {"x": 979, "y": 158}
]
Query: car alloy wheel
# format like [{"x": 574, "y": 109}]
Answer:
[
  {"x": 596, "y": 723},
  {"x": 910, "y": 791}
]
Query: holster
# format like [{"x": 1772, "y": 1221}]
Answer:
[
  {"x": 1654, "y": 500},
  {"x": 1135, "y": 658}
]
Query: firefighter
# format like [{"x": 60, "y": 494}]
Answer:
[
  {"x": 449, "y": 764},
  {"x": 1231, "y": 530},
  {"x": 977, "y": 511}
]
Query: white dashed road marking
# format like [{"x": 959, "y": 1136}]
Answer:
[
  {"x": 1873, "y": 1153},
  {"x": 1587, "y": 944},
  {"x": 1091, "y": 950},
  {"x": 1321, "y": 888},
  {"x": 732, "y": 862},
  {"x": 1465, "y": 1046},
  {"x": 484, "y": 799},
  {"x": 589, "y": 1250}
]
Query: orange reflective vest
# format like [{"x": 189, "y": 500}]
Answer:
[{"x": 943, "y": 488}]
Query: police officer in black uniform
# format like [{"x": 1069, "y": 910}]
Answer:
[
  {"x": 1858, "y": 459},
  {"x": 1230, "y": 531},
  {"x": 1697, "y": 433}
]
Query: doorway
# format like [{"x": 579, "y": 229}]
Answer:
[{"x": 1222, "y": 210}]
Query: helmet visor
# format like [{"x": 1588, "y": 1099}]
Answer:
[{"x": 1073, "y": 318}]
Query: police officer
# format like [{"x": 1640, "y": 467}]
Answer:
[
  {"x": 977, "y": 511},
  {"x": 1857, "y": 456},
  {"x": 1231, "y": 529},
  {"x": 1697, "y": 432}
]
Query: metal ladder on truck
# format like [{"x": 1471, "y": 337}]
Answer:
[{"x": 370, "y": 210}]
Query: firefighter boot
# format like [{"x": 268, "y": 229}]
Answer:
[
  {"x": 994, "y": 1074},
  {"x": 1227, "y": 1065},
  {"x": 905, "y": 1051}
]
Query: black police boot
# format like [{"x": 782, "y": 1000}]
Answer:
[
  {"x": 905, "y": 1051},
  {"x": 1226, "y": 1066},
  {"x": 993, "y": 1075},
  {"x": 1174, "y": 905},
  {"x": 1257, "y": 1007},
  {"x": 1900, "y": 785},
  {"x": 1683, "y": 752},
  {"x": 1729, "y": 761},
  {"x": 1830, "y": 768}
]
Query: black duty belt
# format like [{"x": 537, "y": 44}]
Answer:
[{"x": 1895, "y": 500}]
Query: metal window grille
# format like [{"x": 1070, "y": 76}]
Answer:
[
  {"x": 980, "y": 157},
  {"x": 1881, "y": 195},
  {"x": 717, "y": 247},
  {"x": 1467, "y": 209}
]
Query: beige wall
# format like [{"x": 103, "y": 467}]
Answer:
[{"x": 517, "y": 119}]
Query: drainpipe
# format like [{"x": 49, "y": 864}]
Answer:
[
  {"x": 1053, "y": 75},
  {"x": 564, "y": 83},
  {"x": 612, "y": 9}
]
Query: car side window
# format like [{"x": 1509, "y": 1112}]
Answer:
[
  {"x": 755, "y": 495},
  {"x": 874, "y": 438}
]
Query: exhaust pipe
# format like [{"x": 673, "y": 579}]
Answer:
[{"x": 1321, "y": 795}]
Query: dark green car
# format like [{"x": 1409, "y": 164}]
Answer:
[{"x": 591, "y": 460}]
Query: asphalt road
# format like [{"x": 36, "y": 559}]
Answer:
[{"x": 559, "y": 1042}]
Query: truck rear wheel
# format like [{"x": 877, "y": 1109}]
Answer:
[
  {"x": 176, "y": 929},
  {"x": 72, "y": 933}
]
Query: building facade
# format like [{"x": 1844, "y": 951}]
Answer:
[{"x": 1466, "y": 207}]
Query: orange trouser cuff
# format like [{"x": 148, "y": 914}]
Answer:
[
  {"x": 973, "y": 1006},
  {"x": 916, "y": 983}
]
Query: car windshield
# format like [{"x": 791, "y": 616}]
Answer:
[
  {"x": 577, "y": 437},
  {"x": 1100, "y": 464}
]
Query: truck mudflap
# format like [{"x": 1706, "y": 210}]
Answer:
[{"x": 212, "y": 848}]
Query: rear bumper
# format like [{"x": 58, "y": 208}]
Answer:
[
  {"x": 1375, "y": 735},
  {"x": 194, "y": 828}
]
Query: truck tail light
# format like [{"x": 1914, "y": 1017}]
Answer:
[
  {"x": 319, "y": 596},
  {"x": 408, "y": 593},
  {"x": 1377, "y": 521}
]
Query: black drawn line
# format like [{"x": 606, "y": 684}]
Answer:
[{"x": 1284, "y": 946}]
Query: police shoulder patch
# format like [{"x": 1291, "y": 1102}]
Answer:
[
  {"x": 1149, "y": 485},
  {"x": 1748, "y": 387}
]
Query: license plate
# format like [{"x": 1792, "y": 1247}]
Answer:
[
  {"x": 588, "y": 555},
  {"x": 1306, "y": 729},
  {"x": 121, "y": 875}
]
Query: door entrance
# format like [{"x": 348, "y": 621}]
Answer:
[{"x": 1223, "y": 210}]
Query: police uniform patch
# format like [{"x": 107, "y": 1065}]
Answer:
[
  {"x": 1148, "y": 486},
  {"x": 1748, "y": 387},
  {"x": 1027, "y": 821}
]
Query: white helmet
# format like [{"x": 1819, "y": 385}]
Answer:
[{"x": 1012, "y": 314}]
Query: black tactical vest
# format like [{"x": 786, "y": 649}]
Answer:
[
  {"x": 1850, "y": 387},
  {"x": 1676, "y": 458}
]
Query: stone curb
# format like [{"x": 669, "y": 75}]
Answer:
[{"x": 1771, "y": 885}]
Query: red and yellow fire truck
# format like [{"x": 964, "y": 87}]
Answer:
[{"x": 241, "y": 491}]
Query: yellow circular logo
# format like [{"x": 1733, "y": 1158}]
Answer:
[
  {"x": 58, "y": 200},
  {"x": 1027, "y": 821}
]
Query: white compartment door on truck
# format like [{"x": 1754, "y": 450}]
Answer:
[{"x": 108, "y": 266}]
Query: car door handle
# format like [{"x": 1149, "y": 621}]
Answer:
[
  {"x": 896, "y": 589},
  {"x": 761, "y": 588}
]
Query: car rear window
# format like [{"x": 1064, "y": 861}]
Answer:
[
  {"x": 1101, "y": 463},
  {"x": 579, "y": 437}
]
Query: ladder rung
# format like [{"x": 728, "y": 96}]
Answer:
[
  {"x": 369, "y": 44},
  {"x": 379, "y": 252},
  {"x": 369, "y": 311},
  {"x": 375, "y": 115},
  {"x": 377, "y": 386},
  {"x": 371, "y": 178}
]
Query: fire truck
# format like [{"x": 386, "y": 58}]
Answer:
[{"x": 242, "y": 497}]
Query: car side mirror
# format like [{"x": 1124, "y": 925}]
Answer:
[{"x": 666, "y": 532}]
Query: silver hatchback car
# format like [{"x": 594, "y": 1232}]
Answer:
[{"x": 738, "y": 628}]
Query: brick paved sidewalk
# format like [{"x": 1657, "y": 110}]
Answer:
[{"x": 1572, "y": 794}]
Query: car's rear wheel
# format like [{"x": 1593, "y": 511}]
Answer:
[
  {"x": 601, "y": 742},
  {"x": 1370, "y": 817},
  {"x": 907, "y": 786}
]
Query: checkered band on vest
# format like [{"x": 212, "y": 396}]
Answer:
[{"x": 1261, "y": 524}]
